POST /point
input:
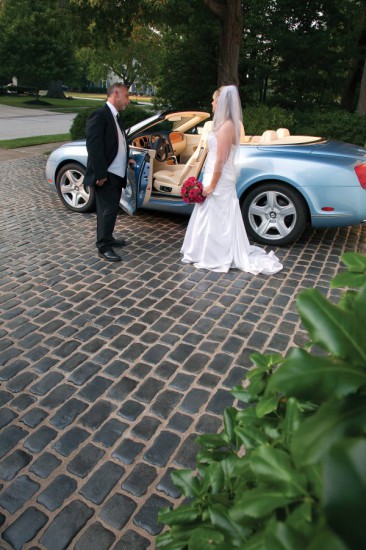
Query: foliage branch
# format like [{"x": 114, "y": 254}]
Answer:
[{"x": 288, "y": 469}]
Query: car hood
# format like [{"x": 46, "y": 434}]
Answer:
[{"x": 340, "y": 149}]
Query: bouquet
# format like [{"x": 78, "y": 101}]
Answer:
[{"x": 191, "y": 191}]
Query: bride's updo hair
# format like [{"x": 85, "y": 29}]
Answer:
[{"x": 228, "y": 107}]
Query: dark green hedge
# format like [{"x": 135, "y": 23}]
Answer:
[
  {"x": 131, "y": 115},
  {"x": 337, "y": 124}
]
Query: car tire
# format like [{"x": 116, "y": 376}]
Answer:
[
  {"x": 274, "y": 214},
  {"x": 70, "y": 188}
]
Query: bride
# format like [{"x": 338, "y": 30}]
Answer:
[{"x": 216, "y": 238}]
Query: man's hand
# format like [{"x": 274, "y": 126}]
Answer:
[{"x": 101, "y": 182}]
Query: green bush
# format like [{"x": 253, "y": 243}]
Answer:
[
  {"x": 339, "y": 125},
  {"x": 288, "y": 470},
  {"x": 258, "y": 119},
  {"x": 131, "y": 116},
  {"x": 336, "y": 124}
]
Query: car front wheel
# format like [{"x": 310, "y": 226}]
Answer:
[
  {"x": 274, "y": 214},
  {"x": 73, "y": 194}
]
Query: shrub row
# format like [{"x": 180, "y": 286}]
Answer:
[
  {"x": 131, "y": 116},
  {"x": 336, "y": 124}
]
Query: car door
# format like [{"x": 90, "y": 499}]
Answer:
[{"x": 139, "y": 180}]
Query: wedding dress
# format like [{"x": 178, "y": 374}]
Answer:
[{"x": 216, "y": 238}]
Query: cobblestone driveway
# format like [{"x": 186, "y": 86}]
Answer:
[{"x": 108, "y": 371}]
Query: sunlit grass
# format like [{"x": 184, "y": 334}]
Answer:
[{"x": 35, "y": 140}]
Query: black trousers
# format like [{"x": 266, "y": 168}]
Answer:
[{"x": 107, "y": 202}]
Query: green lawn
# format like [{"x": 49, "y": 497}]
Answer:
[{"x": 34, "y": 140}]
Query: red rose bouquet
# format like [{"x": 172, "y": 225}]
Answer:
[{"x": 191, "y": 191}]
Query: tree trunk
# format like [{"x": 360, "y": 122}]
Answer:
[
  {"x": 349, "y": 96},
  {"x": 230, "y": 15},
  {"x": 55, "y": 90},
  {"x": 361, "y": 106}
]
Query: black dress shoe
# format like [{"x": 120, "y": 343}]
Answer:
[
  {"x": 119, "y": 242},
  {"x": 109, "y": 255}
]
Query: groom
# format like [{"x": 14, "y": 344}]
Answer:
[{"x": 108, "y": 157}]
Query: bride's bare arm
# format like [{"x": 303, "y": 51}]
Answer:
[{"x": 225, "y": 139}]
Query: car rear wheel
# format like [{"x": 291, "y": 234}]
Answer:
[
  {"x": 73, "y": 194},
  {"x": 274, "y": 213}
]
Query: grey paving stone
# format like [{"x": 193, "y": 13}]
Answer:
[
  {"x": 196, "y": 363},
  {"x": 180, "y": 422},
  {"x": 163, "y": 447},
  {"x": 117, "y": 511},
  {"x": 186, "y": 455},
  {"x": 146, "y": 428},
  {"x": 10, "y": 437},
  {"x": 21, "y": 490},
  {"x": 66, "y": 414},
  {"x": 147, "y": 391},
  {"x": 116, "y": 368},
  {"x": 131, "y": 410},
  {"x": 141, "y": 370},
  {"x": 57, "y": 396},
  {"x": 34, "y": 417},
  {"x": 165, "y": 403},
  {"x": 96, "y": 537},
  {"x": 44, "y": 364},
  {"x": 44, "y": 465},
  {"x": 6, "y": 416},
  {"x": 6, "y": 373},
  {"x": 120, "y": 390},
  {"x": 80, "y": 375},
  {"x": 85, "y": 460},
  {"x": 194, "y": 400},
  {"x": 167, "y": 486},
  {"x": 147, "y": 516},
  {"x": 95, "y": 388},
  {"x": 97, "y": 414},
  {"x": 18, "y": 383},
  {"x": 127, "y": 451},
  {"x": 132, "y": 541},
  {"x": 110, "y": 432},
  {"x": 13, "y": 464},
  {"x": 209, "y": 424},
  {"x": 25, "y": 528},
  {"x": 220, "y": 401},
  {"x": 155, "y": 354},
  {"x": 66, "y": 525},
  {"x": 102, "y": 481},
  {"x": 5, "y": 396},
  {"x": 70, "y": 441},
  {"x": 58, "y": 490},
  {"x": 140, "y": 479},
  {"x": 38, "y": 440}
]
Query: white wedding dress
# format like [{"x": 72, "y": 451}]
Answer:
[{"x": 216, "y": 238}]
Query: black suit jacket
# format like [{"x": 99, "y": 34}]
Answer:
[{"x": 101, "y": 144}]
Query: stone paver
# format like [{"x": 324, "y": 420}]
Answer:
[{"x": 109, "y": 371}]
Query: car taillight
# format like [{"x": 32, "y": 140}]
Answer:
[{"x": 361, "y": 174}]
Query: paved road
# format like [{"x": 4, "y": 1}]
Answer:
[
  {"x": 18, "y": 123},
  {"x": 108, "y": 372}
]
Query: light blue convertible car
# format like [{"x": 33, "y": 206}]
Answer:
[{"x": 284, "y": 181}]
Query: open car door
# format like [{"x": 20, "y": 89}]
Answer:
[{"x": 139, "y": 180}]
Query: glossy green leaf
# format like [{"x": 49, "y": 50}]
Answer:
[
  {"x": 212, "y": 441},
  {"x": 338, "y": 331},
  {"x": 250, "y": 437},
  {"x": 345, "y": 490},
  {"x": 356, "y": 263},
  {"x": 175, "y": 539},
  {"x": 187, "y": 482},
  {"x": 314, "y": 378},
  {"x": 333, "y": 421},
  {"x": 283, "y": 537},
  {"x": 242, "y": 394},
  {"x": 185, "y": 513},
  {"x": 352, "y": 280},
  {"x": 214, "y": 479},
  {"x": 274, "y": 467},
  {"x": 292, "y": 420},
  {"x": 206, "y": 539},
  {"x": 325, "y": 540},
  {"x": 220, "y": 518},
  {"x": 266, "y": 406},
  {"x": 258, "y": 503},
  {"x": 267, "y": 361},
  {"x": 230, "y": 423}
]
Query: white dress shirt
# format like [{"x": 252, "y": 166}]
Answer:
[{"x": 119, "y": 164}]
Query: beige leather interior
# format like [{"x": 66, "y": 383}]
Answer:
[{"x": 170, "y": 180}]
